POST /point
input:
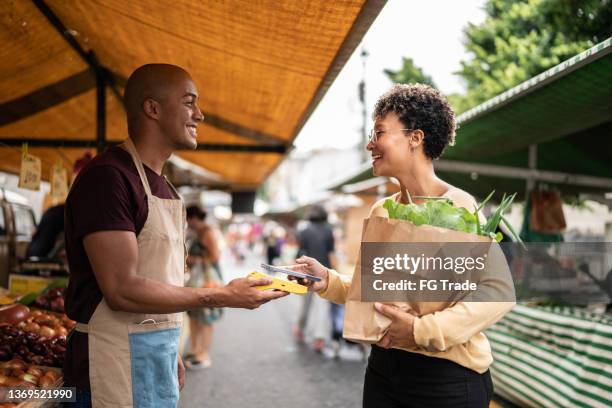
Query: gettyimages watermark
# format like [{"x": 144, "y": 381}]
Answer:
[{"x": 572, "y": 273}]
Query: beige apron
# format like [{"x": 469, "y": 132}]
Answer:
[{"x": 132, "y": 356}]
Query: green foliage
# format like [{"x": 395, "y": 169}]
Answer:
[
  {"x": 408, "y": 74},
  {"x": 520, "y": 39},
  {"x": 440, "y": 212}
]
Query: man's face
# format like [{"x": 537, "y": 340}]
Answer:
[{"x": 181, "y": 115}]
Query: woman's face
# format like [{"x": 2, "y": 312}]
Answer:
[
  {"x": 390, "y": 147},
  {"x": 193, "y": 222}
]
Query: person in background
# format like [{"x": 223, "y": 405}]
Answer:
[
  {"x": 271, "y": 249},
  {"x": 316, "y": 241},
  {"x": 203, "y": 261},
  {"x": 48, "y": 240}
]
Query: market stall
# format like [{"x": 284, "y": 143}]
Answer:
[{"x": 261, "y": 70}]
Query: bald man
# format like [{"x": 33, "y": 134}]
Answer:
[{"x": 125, "y": 244}]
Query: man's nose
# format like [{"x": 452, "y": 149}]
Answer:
[
  {"x": 370, "y": 146},
  {"x": 198, "y": 116}
]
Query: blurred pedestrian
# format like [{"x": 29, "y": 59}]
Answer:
[
  {"x": 203, "y": 261},
  {"x": 316, "y": 241}
]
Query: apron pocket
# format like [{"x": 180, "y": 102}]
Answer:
[{"x": 153, "y": 355}]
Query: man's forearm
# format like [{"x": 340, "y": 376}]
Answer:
[{"x": 142, "y": 295}]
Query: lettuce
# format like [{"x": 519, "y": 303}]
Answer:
[{"x": 441, "y": 212}]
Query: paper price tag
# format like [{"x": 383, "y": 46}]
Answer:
[
  {"x": 29, "y": 175},
  {"x": 59, "y": 182}
]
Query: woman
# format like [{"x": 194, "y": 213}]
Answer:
[
  {"x": 449, "y": 362},
  {"x": 203, "y": 261}
]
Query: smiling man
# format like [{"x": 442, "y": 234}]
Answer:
[{"x": 125, "y": 229}]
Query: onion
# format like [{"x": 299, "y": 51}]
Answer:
[
  {"x": 46, "y": 331},
  {"x": 16, "y": 364},
  {"x": 14, "y": 314},
  {"x": 12, "y": 382},
  {"x": 35, "y": 371},
  {"x": 45, "y": 382},
  {"x": 31, "y": 327},
  {"x": 53, "y": 375},
  {"x": 17, "y": 373}
]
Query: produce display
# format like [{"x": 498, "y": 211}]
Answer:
[
  {"x": 47, "y": 324},
  {"x": 31, "y": 347},
  {"x": 14, "y": 314},
  {"x": 32, "y": 341},
  {"x": 18, "y": 373},
  {"x": 36, "y": 336},
  {"x": 52, "y": 300}
]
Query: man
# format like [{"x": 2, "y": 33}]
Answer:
[
  {"x": 317, "y": 241},
  {"x": 48, "y": 240},
  {"x": 125, "y": 243}
]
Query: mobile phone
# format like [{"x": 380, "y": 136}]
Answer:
[{"x": 301, "y": 275}]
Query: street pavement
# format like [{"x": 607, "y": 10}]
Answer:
[{"x": 256, "y": 363}]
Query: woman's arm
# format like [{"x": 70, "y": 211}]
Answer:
[
  {"x": 209, "y": 241},
  {"x": 456, "y": 325}
]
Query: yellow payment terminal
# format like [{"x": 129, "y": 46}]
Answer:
[{"x": 280, "y": 284}]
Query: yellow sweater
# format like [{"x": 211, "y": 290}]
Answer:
[{"x": 454, "y": 333}]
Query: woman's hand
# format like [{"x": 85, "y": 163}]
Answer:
[
  {"x": 310, "y": 266},
  {"x": 180, "y": 372},
  {"x": 401, "y": 331}
]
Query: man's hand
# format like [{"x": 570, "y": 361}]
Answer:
[
  {"x": 401, "y": 331},
  {"x": 180, "y": 372},
  {"x": 310, "y": 266},
  {"x": 242, "y": 293}
]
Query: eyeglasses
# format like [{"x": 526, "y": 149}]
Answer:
[{"x": 374, "y": 134}]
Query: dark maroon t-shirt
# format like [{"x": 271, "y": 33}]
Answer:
[{"x": 107, "y": 195}]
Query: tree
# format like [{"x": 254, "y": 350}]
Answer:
[
  {"x": 520, "y": 39},
  {"x": 517, "y": 40},
  {"x": 409, "y": 73}
]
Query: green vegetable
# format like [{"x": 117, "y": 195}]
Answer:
[
  {"x": 440, "y": 212},
  {"x": 28, "y": 299},
  {"x": 57, "y": 283}
]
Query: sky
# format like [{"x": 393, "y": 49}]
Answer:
[{"x": 428, "y": 31}]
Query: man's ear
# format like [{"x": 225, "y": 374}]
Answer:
[
  {"x": 416, "y": 138},
  {"x": 151, "y": 108}
]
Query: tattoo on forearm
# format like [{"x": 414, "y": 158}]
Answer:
[{"x": 209, "y": 301}]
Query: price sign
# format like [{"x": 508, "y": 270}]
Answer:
[
  {"x": 59, "y": 182},
  {"x": 29, "y": 175}
]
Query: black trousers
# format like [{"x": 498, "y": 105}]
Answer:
[{"x": 400, "y": 379}]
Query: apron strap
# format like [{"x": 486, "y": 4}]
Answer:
[
  {"x": 81, "y": 327},
  {"x": 173, "y": 189},
  {"x": 136, "y": 158}
]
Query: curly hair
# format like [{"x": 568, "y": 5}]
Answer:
[{"x": 420, "y": 106}]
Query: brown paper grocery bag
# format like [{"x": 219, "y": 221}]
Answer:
[
  {"x": 546, "y": 212},
  {"x": 362, "y": 323}
]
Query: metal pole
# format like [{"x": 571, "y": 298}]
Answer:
[
  {"x": 532, "y": 162},
  {"x": 364, "y": 111},
  {"x": 100, "y": 110}
]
